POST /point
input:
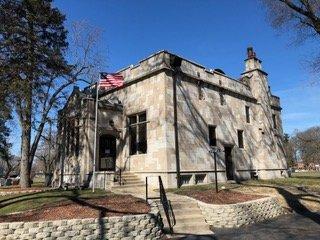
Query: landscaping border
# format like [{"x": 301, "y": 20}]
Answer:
[
  {"x": 7, "y": 193},
  {"x": 239, "y": 214},
  {"x": 129, "y": 227}
]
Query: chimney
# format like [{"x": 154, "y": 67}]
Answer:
[{"x": 252, "y": 62}]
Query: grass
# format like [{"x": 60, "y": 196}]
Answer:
[
  {"x": 309, "y": 180},
  {"x": 29, "y": 201},
  {"x": 287, "y": 190}
]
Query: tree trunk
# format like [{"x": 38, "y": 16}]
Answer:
[
  {"x": 25, "y": 149},
  {"x": 25, "y": 122},
  {"x": 48, "y": 179}
]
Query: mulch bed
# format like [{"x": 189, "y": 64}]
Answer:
[
  {"x": 222, "y": 197},
  {"x": 108, "y": 206}
]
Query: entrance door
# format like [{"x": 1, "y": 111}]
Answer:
[
  {"x": 229, "y": 164},
  {"x": 107, "y": 153}
]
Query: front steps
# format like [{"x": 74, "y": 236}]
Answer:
[
  {"x": 130, "y": 181},
  {"x": 190, "y": 222}
]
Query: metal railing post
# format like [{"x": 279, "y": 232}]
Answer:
[{"x": 147, "y": 189}]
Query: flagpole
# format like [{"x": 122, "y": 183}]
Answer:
[{"x": 95, "y": 138}]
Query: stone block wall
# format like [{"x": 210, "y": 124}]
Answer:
[
  {"x": 236, "y": 215},
  {"x": 129, "y": 227}
]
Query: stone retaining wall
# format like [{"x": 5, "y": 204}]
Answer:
[
  {"x": 143, "y": 226},
  {"x": 236, "y": 215}
]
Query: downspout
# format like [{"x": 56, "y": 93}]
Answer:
[{"x": 175, "y": 63}]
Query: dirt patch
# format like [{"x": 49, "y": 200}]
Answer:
[
  {"x": 118, "y": 205},
  {"x": 222, "y": 197}
]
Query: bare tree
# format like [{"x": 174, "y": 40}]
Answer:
[
  {"x": 302, "y": 16},
  {"x": 308, "y": 145},
  {"x": 46, "y": 154},
  {"x": 299, "y": 16},
  {"x": 9, "y": 164}
]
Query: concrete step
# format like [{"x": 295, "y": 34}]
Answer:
[
  {"x": 192, "y": 228},
  {"x": 184, "y": 220},
  {"x": 130, "y": 176},
  {"x": 124, "y": 181},
  {"x": 184, "y": 205},
  {"x": 128, "y": 186},
  {"x": 195, "y": 217}
]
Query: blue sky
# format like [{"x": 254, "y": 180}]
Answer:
[{"x": 213, "y": 33}]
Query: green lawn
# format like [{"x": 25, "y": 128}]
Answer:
[
  {"x": 310, "y": 180},
  {"x": 306, "y": 179},
  {"x": 28, "y": 201}
]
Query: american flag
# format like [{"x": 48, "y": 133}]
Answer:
[{"x": 110, "y": 80}]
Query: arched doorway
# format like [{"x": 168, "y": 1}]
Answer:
[{"x": 107, "y": 153}]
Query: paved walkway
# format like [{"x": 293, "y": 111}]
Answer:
[{"x": 287, "y": 227}]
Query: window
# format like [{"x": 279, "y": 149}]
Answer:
[
  {"x": 222, "y": 99},
  {"x": 240, "y": 138},
  {"x": 247, "y": 114},
  {"x": 274, "y": 119},
  {"x": 201, "y": 95},
  {"x": 212, "y": 136},
  {"x": 138, "y": 133}
]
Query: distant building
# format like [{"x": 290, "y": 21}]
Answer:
[{"x": 165, "y": 119}]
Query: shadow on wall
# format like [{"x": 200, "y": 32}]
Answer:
[{"x": 198, "y": 127}]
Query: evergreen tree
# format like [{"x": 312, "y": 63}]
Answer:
[{"x": 32, "y": 43}]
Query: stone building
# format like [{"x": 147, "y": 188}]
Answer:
[{"x": 166, "y": 118}]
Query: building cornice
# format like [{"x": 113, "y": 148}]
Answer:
[{"x": 256, "y": 69}]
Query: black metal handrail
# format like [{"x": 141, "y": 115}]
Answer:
[
  {"x": 165, "y": 203},
  {"x": 119, "y": 175}
]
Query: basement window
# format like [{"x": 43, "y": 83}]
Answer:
[
  {"x": 185, "y": 179},
  {"x": 138, "y": 133},
  {"x": 240, "y": 138},
  {"x": 199, "y": 178}
]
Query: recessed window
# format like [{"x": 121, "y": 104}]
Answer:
[
  {"x": 222, "y": 99},
  {"x": 138, "y": 133},
  {"x": 274, "y": 119},
  {"x": 240, "y": 138},
  {"x": 201, "y": 90},
  {"x": 212, "y": 136},
  {"x": 247, "y": 114}
]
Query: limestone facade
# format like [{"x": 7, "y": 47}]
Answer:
[{"x": 184, "y": 108}]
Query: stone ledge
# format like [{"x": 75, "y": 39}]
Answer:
[
  {"x": 239, "y": 214},
  {"x": 6, "y": 193},
  {"x": 141, "y": 226}
]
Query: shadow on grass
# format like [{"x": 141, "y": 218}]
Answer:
[
  {"x": 307, "y": 177},
  {"x": 74, "y": 196},
  {"x": 293, "y": 201}
]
